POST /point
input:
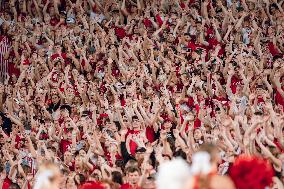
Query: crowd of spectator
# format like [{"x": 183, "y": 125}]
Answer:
[{"x": 108, "y": 90}]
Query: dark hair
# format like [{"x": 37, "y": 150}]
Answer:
[
  {"x": 81, "y": 179},
  {"x": 67, "y": 107},
  {"x": 52, "y": 148},
  {"x": 116, "y": 177},
  {"x": 258, "y": 113},
  {"x": 140, "y": 149},
  {"x": 119, "y": 163},
  {"x": 134, "y": 117},
  {"x": 132, "y": 170},
  {"x": 180, "y": 153},
  {"x": 1, "y": 168},
  {"x": 14, "y": 186},
  {"x": 276, "y": 57}
]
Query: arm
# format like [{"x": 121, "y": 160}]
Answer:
[
  {"x": 14, "y": 120},
  {"x": 240, "y": 22},
  {"x": 31, "y": 147},
  {"x": 126, "y": 156},
  {"x": 267, "y": 152},
  {"x": 123, "y": 9}
]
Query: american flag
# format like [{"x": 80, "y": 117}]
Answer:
[{"x": 4, "y": 48}]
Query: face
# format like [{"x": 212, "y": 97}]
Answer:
[
  {"x": 67, "y": 156},
  {"x": 168, "y": 125},
  {"x": 197, "y": 134},
  {"x": 64, "y": 113},
  {"x": 149, "y": 90},
  {"x": 133, "y": 178},
  {"x": 22, "y": 115},
  {"x": 70, "y": 183},
  {"x": 126, "y": 122},
  {"x": 82, "y": 153},
  {"x": 136, "y": 124},
  {"x": 70, "y": 92},
  {"x": 259, "y": 91},
  {"x": 55, "y": 99},
  {"x": 239, "y": 89},
  {"x": 78, "y": 162}
]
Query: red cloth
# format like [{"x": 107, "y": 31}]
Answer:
[
  {"x": 115, "y": 72},
  {"x": 83, "y": 63},
  {"x": 276, "y": 142},
  {"x": 120, "y": 32},
  {"x": 132, "y": 144},
  {"x": 128, "y": 186},
  {"x": 108, "y": 157},
  {"x": 6, "y": 183},
  {"x": 100, "y": 119},
  {"x": 26, "y": 62},
  {"x": 223, "y": 100},
  {"x": 191, "y": 45},
  {"x": 64, "y": 145},
  {"x": 56, "y": 55},
  {"x": 234, "y": 83},
  {"x": 150, "y": 134},
  {"x": 190, "y": 102},
  {"x": 122, "y": 100},
  {"x": 279, "y": 99},
  {"x": 159, "y": 20},
  {"x": 13, "y": 70},
  {"x": 197, "y": 123},
  {"x": 182, "y": 5},
  {"x": 94, "y": 8},
  {"x": 272, "y": 49},
  {"x": 54, "y": 21},
  {"x": 18, "y": 141},
  {"x": 91, "y": 185},
  {"x": 147, "y": 23}
]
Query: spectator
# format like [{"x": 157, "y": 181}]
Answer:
[{"x": 102, "y": 87}]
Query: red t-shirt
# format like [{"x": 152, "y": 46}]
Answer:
[
  {"x": 6, "y": 183},
  {"x": 64, "y": 145},
  {"x": 128, "y": 186},
  {"x": 150, "y": 134}
]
